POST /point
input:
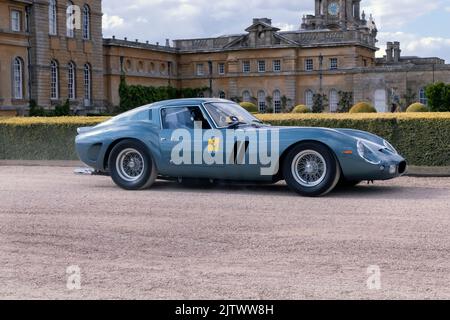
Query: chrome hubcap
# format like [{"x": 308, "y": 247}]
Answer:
[
  {"x": 309, "y": 168},
  {"x": 130, "y": 165}
]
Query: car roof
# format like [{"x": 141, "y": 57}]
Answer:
[{"x": 185, "y": 101}]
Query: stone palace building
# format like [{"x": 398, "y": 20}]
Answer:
[{"x": 44, "y": 60}]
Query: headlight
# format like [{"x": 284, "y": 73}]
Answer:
[
  {"x": 389, "y": 146},
  {"x": 366, "y": 153}
]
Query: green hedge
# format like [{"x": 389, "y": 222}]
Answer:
[{"x": 424, "y": 139}]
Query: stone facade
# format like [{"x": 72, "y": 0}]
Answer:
[
  {"x": 333, "y": 50},
  {"x": 37, "y": 45}
]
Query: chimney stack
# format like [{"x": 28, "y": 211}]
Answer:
[
  {"x": 397, "y": 51},
  {"x": 389, "y": 52}
]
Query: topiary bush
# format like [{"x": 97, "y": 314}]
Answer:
[
  {"x": 363, "y": 107},
  {"x": 301, "y": 109},
  {"x": 250, "y": 107},
  {"x": 417, "y": 107}
]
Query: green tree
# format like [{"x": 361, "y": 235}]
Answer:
[
  {"x": 345, "y": 101},
  {"x": 320, "y": 102},
  {"x": 438, "y": 96}
]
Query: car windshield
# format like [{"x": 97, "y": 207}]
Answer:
[{"x": 225, "y": 114}]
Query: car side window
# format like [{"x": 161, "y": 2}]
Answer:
[{"x": 183, "y": 118}]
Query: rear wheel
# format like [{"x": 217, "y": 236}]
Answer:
[
  {"x": 131, "y": 166},
  {"x": 311, "y": 169}
]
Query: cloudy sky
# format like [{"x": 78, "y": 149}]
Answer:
[{"x": 423, "y": 27}]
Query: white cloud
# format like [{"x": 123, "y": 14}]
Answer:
[
  {"x": 397, "y": 13},
  {"x": 111, "y": 22}
]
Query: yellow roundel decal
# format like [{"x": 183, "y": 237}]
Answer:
[{"x": 214, "y": 145}]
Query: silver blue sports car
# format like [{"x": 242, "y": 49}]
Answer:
[{"x": 217, "y": 140}]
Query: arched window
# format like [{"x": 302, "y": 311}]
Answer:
[
  {"x": 86, "y": 22},
  {"x": 277, "y": 101},
  {"x": 246, "y": 96},
  {"x": 52, "y": 19},
  {"x": 222, "y": 95},
  {"x": 70, "y": 27},
  {"x": 54, "y": 80},
  {"x": 18, "y": 78},
  {"x": 87, "y": 85},
  {"x": 261, "y": 101},
  {"x": 334, "y": 100},
  {"x": 309, "y": 98},
  {"x": 71, "y": 82},
  {"x": 423, "y": 96}
]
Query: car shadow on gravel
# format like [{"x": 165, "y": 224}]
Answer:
[
  {"x": 372, "y": 191},
  {"x": 388, "y": 192}
]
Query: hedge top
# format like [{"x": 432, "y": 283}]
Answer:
[
  {"x": 354, "y": 116},
  {"x": 91, "y": 121},
  {"x": 72, "y": 121}
]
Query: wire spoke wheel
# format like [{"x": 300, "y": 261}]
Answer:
[
  {"x": 309, "y": 168},
  {"x": 130, "y": 165}
]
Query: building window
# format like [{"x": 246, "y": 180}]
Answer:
[
  {"x": 365, "y": 62},
  {"x": 309, "y": 98},
  {"x": 246, "y": 96},
  {"x": 261, "y": 101},
  {"x": 246, "y": 67},
  {"x": 423, "y": 97},
  {"x": 277, "y": 101},
  {"x": 86, "y": 22},
  {"x": 18, "y": 78},
  {"x": 276, "y": 65},
  {"x": 200, "y": 70},
  {"x": 87, "y": 85},
  {"x": 221, "y": 68},
  {"x": 71, "y": 76},
  {"x": 52, "y": 22},
  {"x": 333, "y": 64},
  {"x": 261, "y": 66},
  {"x": 309, "y": 65},
  {"x": 70, "y": 20},
  {"x": 222, "y": 95},
  {"x": 334, "y": 100},
  {"x": 54, "y": 80},
  {"x": 15, "y": 21}
]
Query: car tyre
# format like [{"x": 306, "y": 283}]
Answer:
[
  {"x": 311, "y": 169},
  {"x": 131, "y": 166}
]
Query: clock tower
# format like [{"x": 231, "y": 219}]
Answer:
[{"x": 334, "y": 15}]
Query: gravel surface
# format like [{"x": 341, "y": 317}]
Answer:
[{"x": 223, "y": 242}]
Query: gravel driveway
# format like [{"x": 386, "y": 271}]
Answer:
[{"x": 225, "y": 242}]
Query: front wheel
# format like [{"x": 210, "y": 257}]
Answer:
[
  {"x": 311, "y": 169},
  {"x": 131, "y": 166}
]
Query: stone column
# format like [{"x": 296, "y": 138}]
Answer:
[
  {"x": 349, "y": 9},
  {"x": 357, "y": 10},
  {"x": 318, "y": 2}
]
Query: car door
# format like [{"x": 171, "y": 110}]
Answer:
[{"x": 181, "y": 142}]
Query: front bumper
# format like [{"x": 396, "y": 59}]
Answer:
[{"x": 358, "y": 169}]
